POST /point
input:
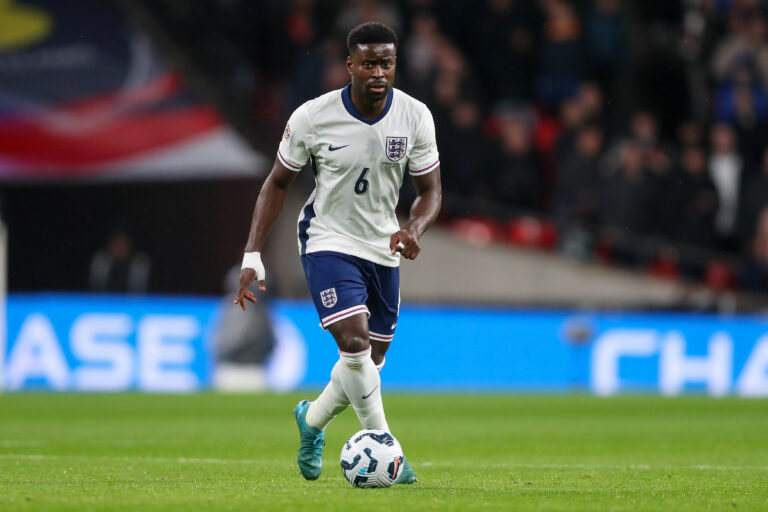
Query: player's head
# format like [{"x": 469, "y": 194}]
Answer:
[{"x": 372, "y": 57}]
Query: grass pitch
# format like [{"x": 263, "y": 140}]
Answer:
[{"x": 490, "y": 452}]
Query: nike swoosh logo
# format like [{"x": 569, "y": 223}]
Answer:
[
  {"x": 369, "y": 394},
  {"x": 331, "y": 148}
]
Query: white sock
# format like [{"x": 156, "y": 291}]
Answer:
[
  {"x": 331, "y": 402},
  {"x": 362, "y": 385}
]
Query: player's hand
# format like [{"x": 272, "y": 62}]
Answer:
[
  {"x": 247, "y": 276},
  {"x": 406, "y": 243}
]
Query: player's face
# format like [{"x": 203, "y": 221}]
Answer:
[{"x": 372, "y": 68}]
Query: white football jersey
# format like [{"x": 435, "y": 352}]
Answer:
[{"x": 359, "y": 167}]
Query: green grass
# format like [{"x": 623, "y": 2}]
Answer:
[{"x": 497, "y": 452}]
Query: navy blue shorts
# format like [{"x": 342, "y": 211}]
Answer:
[{"x": 342, "y": 286}]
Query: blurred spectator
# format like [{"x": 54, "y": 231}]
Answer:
[
  {"x": 695, "y": 21},
  {"x": 725, "y": 170},
  {"x": 451, "y": 81},
  {"x": 578, "y": 188},
  {"x": 591, "y": 100},
  {"x": 754, "y": 197},
  {"x": 690, "y": 134},
  {"x": 749, "y": 121},
  {"x": 626, "y": 192},
  {"x": 515, "y": 176},
  {"x": 694, "y": 200},
  {"x": 117, "y": 268},
  {"x": 572, "y": 116},
  {"x": 562, "y": 56},
  {"x": 743, "y": 54},
  {"x": 644, "y": 133},
  {"x": 507, "y": 30},
  {"x": 299, "y": 22},
  {"x": 464, "y": 150},
  {"x": 362, "y": 11},
  {"x": 420, "y": 52},
  {"x": 605, "y": 37},
  {"x": 740, "y": 65},
  {"x": 326, "y": 62},
  {"x": 741, "y": 95},
  {"x": 755, "y": 272},
  {"x": 644, "y": 129}
]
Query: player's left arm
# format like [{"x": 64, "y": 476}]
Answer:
[{"x": 423, "y": 214}]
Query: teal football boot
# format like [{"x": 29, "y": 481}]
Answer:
[
  {"x": 408, "y": 476},
  {"x": 310, "y": 456}
]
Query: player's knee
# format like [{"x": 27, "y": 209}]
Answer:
[{"x": 354, "y": 344}]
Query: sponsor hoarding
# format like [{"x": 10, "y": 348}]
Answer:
[{"x": 112, "y": 343}]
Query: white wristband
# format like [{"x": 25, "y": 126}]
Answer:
[{"x": 253, "y": 260}]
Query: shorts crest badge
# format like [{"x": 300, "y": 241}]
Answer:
[
  {"x": 328, "y": 297},
  {"x": 396, "y": 148}
]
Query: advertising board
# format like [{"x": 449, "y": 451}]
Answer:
[{"x": 111, "y": 343}]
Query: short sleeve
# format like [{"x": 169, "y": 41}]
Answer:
[
  {"x": 424, "y": 156},
  {"x": 293, "y": 151}
]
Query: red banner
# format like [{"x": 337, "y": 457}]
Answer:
[{"x": 86, "y": 96}]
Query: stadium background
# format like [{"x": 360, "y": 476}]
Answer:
[{"x": 605, "y": 172}]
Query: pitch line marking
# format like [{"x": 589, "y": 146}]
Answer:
[
  {"x": 703, "y": 467},
  {"x": 16, "y": 443},
  {"x": 195, "y": 460},
  {"x": 181, "y": 460}
]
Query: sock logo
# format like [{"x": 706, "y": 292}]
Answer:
[{"x": 369, "y": 394}]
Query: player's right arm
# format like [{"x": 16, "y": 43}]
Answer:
[
  {"x": 269, "y": 204},
  {"x": 292, "y": 154}
]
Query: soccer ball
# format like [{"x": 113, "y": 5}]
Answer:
[{"x": 372, "y": 458}]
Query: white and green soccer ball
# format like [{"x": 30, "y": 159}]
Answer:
[{"x": 372, "y": 458}]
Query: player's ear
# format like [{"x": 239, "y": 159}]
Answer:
[{"x": 349, "y": 64}]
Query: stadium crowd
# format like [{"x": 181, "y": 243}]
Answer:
[{"x": 630, "y": 132}]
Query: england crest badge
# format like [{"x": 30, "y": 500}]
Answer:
[
  {"x": 396, "y": 148},
  {"x": 287, "y": 133},
  {"x": 328, "y": 297}
]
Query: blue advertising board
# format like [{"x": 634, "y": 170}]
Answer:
[
  {"x": 110, "y": 343},
  {"x": 455, "y": 348},
  {"x": 107, "y": 343}
]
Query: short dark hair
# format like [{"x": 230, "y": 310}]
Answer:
[{"x": 368, "y": 33}]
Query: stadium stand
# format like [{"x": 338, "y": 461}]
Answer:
[
  {"x": 625, "y": 134},
  {"x": 562, "y": 125}
]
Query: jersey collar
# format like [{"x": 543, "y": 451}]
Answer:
[{"x": 346, "y": 98}]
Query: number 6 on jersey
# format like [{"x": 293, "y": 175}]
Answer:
[{"x": 361, "y": 185}]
